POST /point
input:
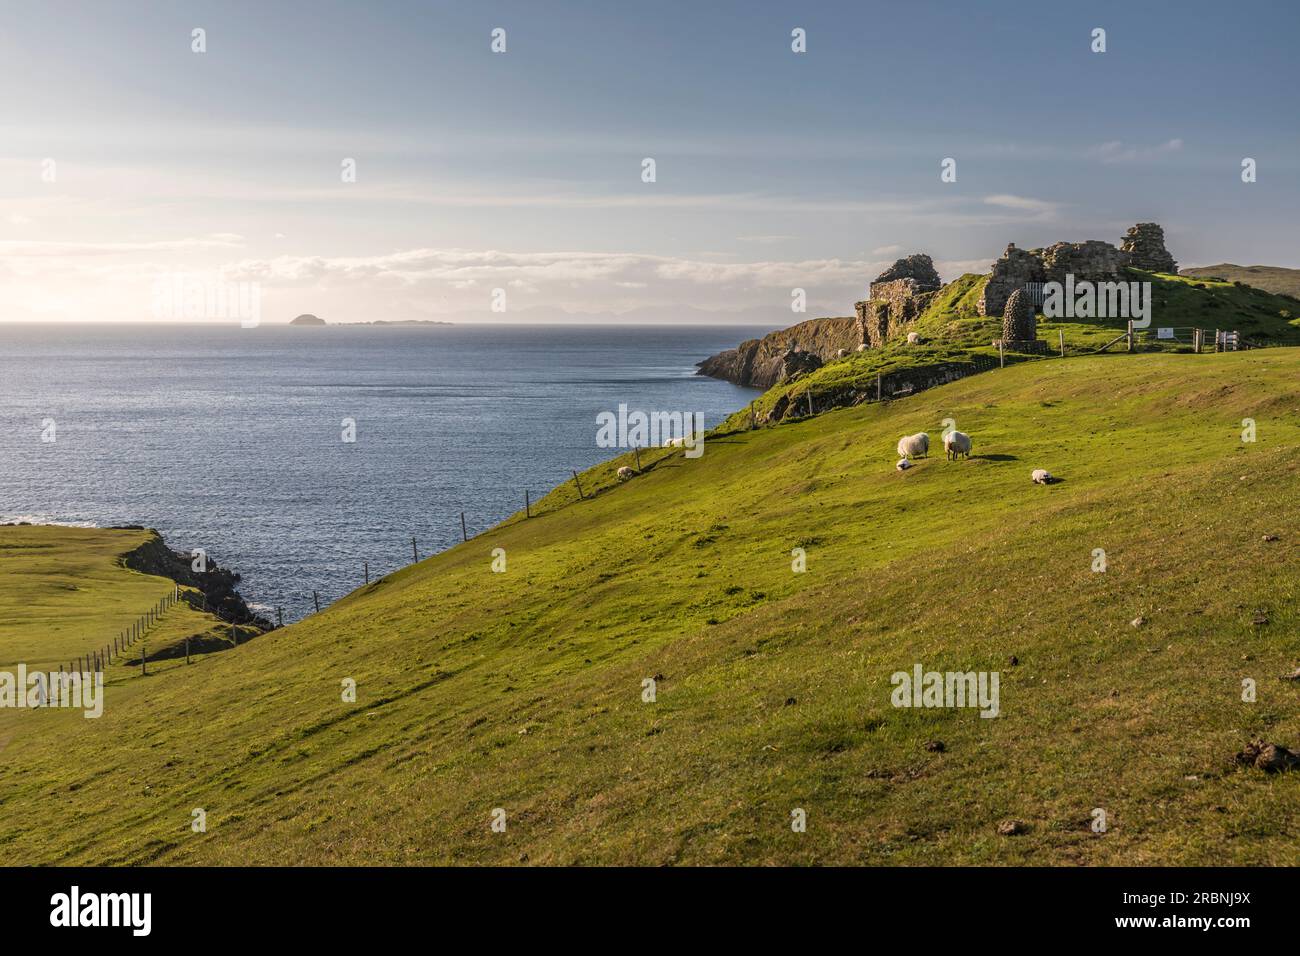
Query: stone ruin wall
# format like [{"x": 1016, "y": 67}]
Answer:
[{"x": 1143, "y": 247}]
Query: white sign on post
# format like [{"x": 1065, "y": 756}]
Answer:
[{"x": 1164, "y": 333}]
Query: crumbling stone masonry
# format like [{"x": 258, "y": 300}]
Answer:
[
  {"x": 898, "y": 296},
  {"x": 1144, "y": 245},
  {"x": 1095, "y": 261}
]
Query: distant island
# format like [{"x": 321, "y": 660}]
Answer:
[{"x": 308, "y": 319}]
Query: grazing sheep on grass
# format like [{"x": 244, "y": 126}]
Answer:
[
  {"x": 956, "y": 443},
  {"x": 625, "y": 473},
  {"x": 914, "y": 446},
  {"x": 903, "y": 464},
  {"x": 913, "y": 338},
  {"x": 1042, "y": 476}
]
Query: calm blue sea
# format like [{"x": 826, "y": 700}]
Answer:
[{"x": 229, "y": 439}]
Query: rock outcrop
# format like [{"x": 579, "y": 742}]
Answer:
[
  {"x": 760, "y": 363},
  {"x": 307, "y": 319},
  {"x": 1144, "y": 245},
  {"x": 215, "y": 584}
]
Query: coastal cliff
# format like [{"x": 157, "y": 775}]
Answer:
[
  {"x": 759, "y": 363},
  {"x": 216, "y": 585}
]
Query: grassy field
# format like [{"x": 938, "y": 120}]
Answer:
[
  {"x": 523, "y": 690},
  {"x": 64, "y": 594},
  {"x": 1278, "y": 279}
]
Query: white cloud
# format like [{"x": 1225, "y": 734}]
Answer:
[{"x": 1116, "y": 151}]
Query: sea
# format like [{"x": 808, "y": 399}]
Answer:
[{"x": 234, "y": 440}]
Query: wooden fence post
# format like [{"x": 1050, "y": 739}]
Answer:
[
  {"x": 316, "y": 598},
  {"x": 1002, "y": 355},
  {"x": 575, "y": 481},
  {"x": 1130, "y": 335},
  {"x": 810, "y": 403},
  {"x": 528, "y": 505},
  {"x": 366, "y": 565},
  {"x": 1061, "y": 333},
  {"x": 752, "y": 423},
  {"x": 187, "y": 650},
  {"x": 144, "y": 659},
  {"x": 415, "y": 555},
  {"x": 878, "y": 386},
  {"x": 637, "y": 451}
]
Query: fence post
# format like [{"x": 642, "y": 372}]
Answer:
[
  {"x": 366, "y": 565},
  {"x": 810, "y": 403},
  {"x": 1002, "y": 356},
  {"x": 528, "y": 505},
  {"x": 752, "y": 424},
  {"x": 1130, "y": 335},
  {"x": 575, "y": 481},
  {"x": 1061, "y": 333},
  {"x": 637, "y": 451},
  {"x": 187, "y": 650},
  {"x": 316, "y": 598},
  {"x": 1216, "y": 340},
  {"x": 144, "y": 659},
  {"x": 415, "y": 555}
]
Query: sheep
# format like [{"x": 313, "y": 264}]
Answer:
[
  {"x": 624, "y": 473},
  {"x": 1041, "y": 476},
  {"x": 956, "y": 443},
  {"x": 863, "y": 347},
  {"x": 903, "y": 464},
  {"x": 840, "y": 353},
  {"x": 914, "y": 446},
  {"x": 913, "y": 338}
]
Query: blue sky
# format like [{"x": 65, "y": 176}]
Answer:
[{"x": 522, "y": 170}]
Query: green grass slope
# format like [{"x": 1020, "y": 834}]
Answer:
[
  {"x": 1276, "y": 279},
  {"x": 522, "y": 690}
]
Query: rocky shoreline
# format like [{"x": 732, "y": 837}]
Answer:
[{"x": 215, "y": 585}]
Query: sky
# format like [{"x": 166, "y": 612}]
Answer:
[{"x": 510, "y": 186}]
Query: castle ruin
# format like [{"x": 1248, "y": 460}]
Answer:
[{"x": 901, "y": 293}]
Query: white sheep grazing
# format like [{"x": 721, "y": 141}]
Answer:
[
  {"x": 840, "y": 353},
  {"x": 914, "y": 446},
  {"x": 625, "y": 473},
  {"x": 1042, "y": 476},
  {"x": 903, "y": 464},
  {"x": 956, "y": 443},
  {"x": 913, "y": 338},
  {"x": 863, "y": 347}
]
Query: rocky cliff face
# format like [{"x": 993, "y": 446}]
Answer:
[
  {"x": 761, "y": 363},
  {"x": 216, "y": 584}
]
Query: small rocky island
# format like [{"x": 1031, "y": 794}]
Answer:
[{"x": 307, "y": 319}]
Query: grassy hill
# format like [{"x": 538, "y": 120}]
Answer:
[
  {"x": 523, "y": 690},
  {"x": 1276, "y": 279},
  {"x": 953, "y": 334}
]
